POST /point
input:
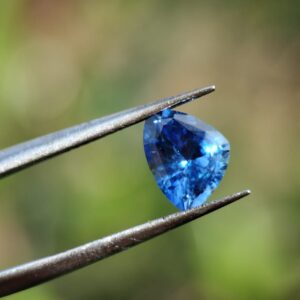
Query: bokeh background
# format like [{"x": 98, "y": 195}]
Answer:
[{"x": 65, "y": 62}]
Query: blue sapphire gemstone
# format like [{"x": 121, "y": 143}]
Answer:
[{"x": 187, "y": 157}]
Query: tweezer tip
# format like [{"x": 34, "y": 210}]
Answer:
[
  {"x": 209, "y": 89},
  {"x": 246, "y": 192},
  {"x": 230, "y": 199},
  {"x": 240, "y": 195},
  {"x": 212, "y": 87},
  {"x": 204, "y": 91}
]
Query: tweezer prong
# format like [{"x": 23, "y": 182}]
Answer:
[
  {"x": 21, "y": 156},
  {"x": 45, "y": 269}
]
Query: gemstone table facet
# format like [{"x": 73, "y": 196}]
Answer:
[{"x": 187, "y": 157}]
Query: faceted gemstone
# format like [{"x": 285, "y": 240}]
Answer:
[{"x": 187, "y": 157}]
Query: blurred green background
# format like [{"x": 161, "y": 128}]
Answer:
[{"x": 64, "y": 62}]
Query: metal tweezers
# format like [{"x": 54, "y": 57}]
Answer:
[{"x": 19, "y": 157}]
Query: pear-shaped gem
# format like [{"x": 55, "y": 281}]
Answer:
[{"x": 187, "y": 157}]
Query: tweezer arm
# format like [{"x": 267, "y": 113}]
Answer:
[
  {"x": 18, "y": 157},
  {"x": 39, "y": 271}
]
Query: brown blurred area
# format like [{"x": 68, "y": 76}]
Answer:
[{"x": 65, "y": 62}]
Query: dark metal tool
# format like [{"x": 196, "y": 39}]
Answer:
[{"x": 21, "y": 156}]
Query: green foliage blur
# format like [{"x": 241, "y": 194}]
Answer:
[{"x": 65, "y": 62}]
